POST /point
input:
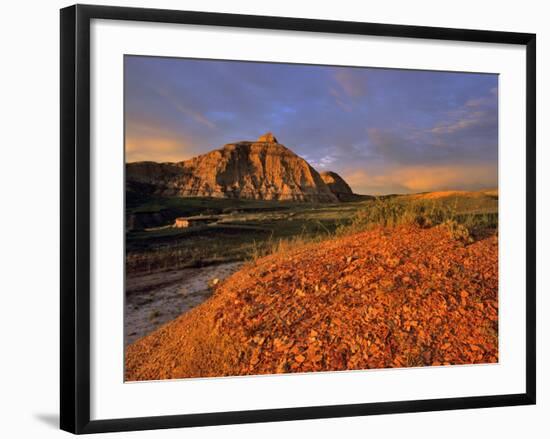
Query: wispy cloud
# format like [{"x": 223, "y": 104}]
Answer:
[
  {"x": 418, "y": 178},
  {"x": 154, "y": 149},
  {"x": 464, "y": 121},
  {"x": 476, "y": 112},
  {"x": 348, "y": 87},
  {"x": 377, "y": 121},
  {"x": 324, "y": 162},
  {"x": 146, "y": 141},
  {"x": 353, "y": 82},
  {"x": 340, "y": 100},
  {"x": 467, "y": 133},
  {"x": 187, "y": 111}
]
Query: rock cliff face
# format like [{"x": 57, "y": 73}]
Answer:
[
  {"x": 261, "y": 170},
  {"x": 337, "y": 185}
]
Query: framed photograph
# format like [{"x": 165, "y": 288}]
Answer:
[{"x": 268, "y": 218}]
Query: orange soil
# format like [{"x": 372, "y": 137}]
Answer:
[{"x": 382, "y": 298}]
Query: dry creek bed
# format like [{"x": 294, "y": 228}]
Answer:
[{"x": 155, "y": 299}]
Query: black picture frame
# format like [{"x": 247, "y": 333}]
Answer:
[{"x": 75, "y": 217}]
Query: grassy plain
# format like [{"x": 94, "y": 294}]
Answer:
[{"x": 249, "y": 229}]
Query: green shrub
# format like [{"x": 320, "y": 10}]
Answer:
[
  {"x": 458, "y": 231},
  {"x": 394, "y": 212},
  {"x": 424, "y": 213}
]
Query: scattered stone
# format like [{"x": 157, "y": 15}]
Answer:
[{"x": 365, "y": 319}]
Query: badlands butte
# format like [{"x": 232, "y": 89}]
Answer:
[
  {"x": 247, "y": 260},
  {"x": 260, "y": 170}
]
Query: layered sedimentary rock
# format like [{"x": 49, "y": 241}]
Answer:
[{"x": 260, "y": 170}]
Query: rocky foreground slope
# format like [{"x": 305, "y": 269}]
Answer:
[
  {"x": 260, "y": 170},
  {"x": 396, "y": 297}
]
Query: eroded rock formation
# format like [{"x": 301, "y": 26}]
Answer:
[{"x": 260, "y": 170}]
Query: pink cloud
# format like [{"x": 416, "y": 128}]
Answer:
[
  {"x": 353, "y": 84},
  {"x": 189, "y": 112},
  {"x": 423, "y": 178}
]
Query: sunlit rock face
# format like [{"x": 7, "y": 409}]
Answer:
[
  {"x": 268, "y": 138},
  {"x": 260, "y": 170}
]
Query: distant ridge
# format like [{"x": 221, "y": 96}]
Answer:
[
  {"x": 455, "y": 193},
  {"x": 260, "y": 170}
]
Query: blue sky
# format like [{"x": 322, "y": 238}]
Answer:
[{"x": 383, "y": 130}]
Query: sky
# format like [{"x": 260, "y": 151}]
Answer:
[{"x": 383, "y": 130}]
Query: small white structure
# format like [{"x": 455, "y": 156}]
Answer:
[
  {"x": 181, "y": 223},
  {"x": 191, "y": 221}
]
